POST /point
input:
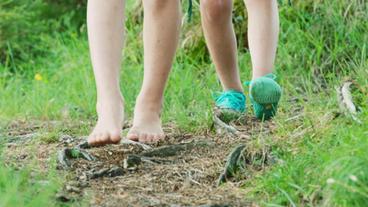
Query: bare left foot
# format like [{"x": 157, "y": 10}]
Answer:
[{"x": 147, "y": 123}]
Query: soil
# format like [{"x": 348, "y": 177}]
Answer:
[{"x": 127, "y": 175}]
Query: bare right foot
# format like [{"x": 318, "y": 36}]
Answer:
[{"x": 110, "y": 122}]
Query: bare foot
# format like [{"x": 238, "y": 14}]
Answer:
[
  {"x": 147, "y": 123},
  {"x": 110, "y": 122}
]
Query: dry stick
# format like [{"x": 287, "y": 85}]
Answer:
[
  {"x": 223, "y": 125},
  {"x": 346, "y": 100},
  {"x": 130, "y": 142}
]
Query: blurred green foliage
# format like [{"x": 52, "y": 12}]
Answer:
[{"x": 25, "y": 24}]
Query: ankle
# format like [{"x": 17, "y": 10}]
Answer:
[
  {"x": 148, "y": 104},
  {"x": 241, "y": 90},
  {"x": 109, "y": 101},
  {"x": 261, "y": 74},
  {"x": 236, "y": 87},
  {"x": 146, "y": 110}
]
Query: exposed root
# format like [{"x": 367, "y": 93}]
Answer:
[
  {"x": 84, "y": 145},
  {"x": 107, "y": 172},
  {"x": 133, "y": 161},
  {"x": 65, "y": 155},
  {"x": 172, "y": 150}
]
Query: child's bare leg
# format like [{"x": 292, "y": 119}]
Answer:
[
  {"x": 105, "y": 21},
  {"x": 263, "y": 30},
  {"x": 161, "y": 34},
  {"x": 221, "y": 40}
]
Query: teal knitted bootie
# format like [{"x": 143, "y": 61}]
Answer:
[
  {"x": 230, "y": 105},
  {"x": 265, "y": 94}
]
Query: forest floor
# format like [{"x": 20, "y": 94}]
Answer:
[
  {"x": 310, "y": 154},
  {"x": 183, "y": 170}
]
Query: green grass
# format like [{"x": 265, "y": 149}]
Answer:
[
  {"x": 320, "y": 40},
  {"x": 332, "y": 149},
  {"x": 28, "y": 186}
]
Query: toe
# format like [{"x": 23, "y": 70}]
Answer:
[
  {"x": 150, "y": 138},
  {"x": 161, "y": 136},
  {"x": 115, "y": 137},
  {"x": 133, "y": 135},
  {"x": 158, "y": 137},
  {"x": 143, "y": 138},
  {"x": 104, "y": 138},
  {"x": 92, "y": 139},
  {"x": 98, "y": 140}
]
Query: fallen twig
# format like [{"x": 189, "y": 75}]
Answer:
[
  {"x": 219, "y": 124},
  {"x": 130, "y": 142},
  {"x": 232, "y": 164},
  {"x": 346, "y": 100},
  {"x": 85, "y": 145}
]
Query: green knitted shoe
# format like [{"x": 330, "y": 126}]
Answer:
[
  {"x": 230, "y": 105},
  {"x": 265, "y": 94}
]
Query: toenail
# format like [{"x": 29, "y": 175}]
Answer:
[
  {"x": 157, "y": 137},
  {"x": 115, "y": 137},
  {"x": 143, "y": 137}
]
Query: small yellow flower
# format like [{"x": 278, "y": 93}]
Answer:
[
  {"x": 330, "y": 181},
  {"x": 38, "y": 77},
  {"x": 353, "y": 178}
]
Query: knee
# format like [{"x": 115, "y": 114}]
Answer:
[
  {"x": 216, "y": 10},
  {"x": 258, "y": 3},
  {"x": 157, "y": 6}
]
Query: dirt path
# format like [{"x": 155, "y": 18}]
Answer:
[{"x": 186, "y": 174}]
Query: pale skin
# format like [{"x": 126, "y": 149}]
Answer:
[
  {"x": 106, "y": 33},
  {"x": 263, "y": 30},
  {"x": 161, "y": 34},
  {"x": 161, "y": 30}
]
